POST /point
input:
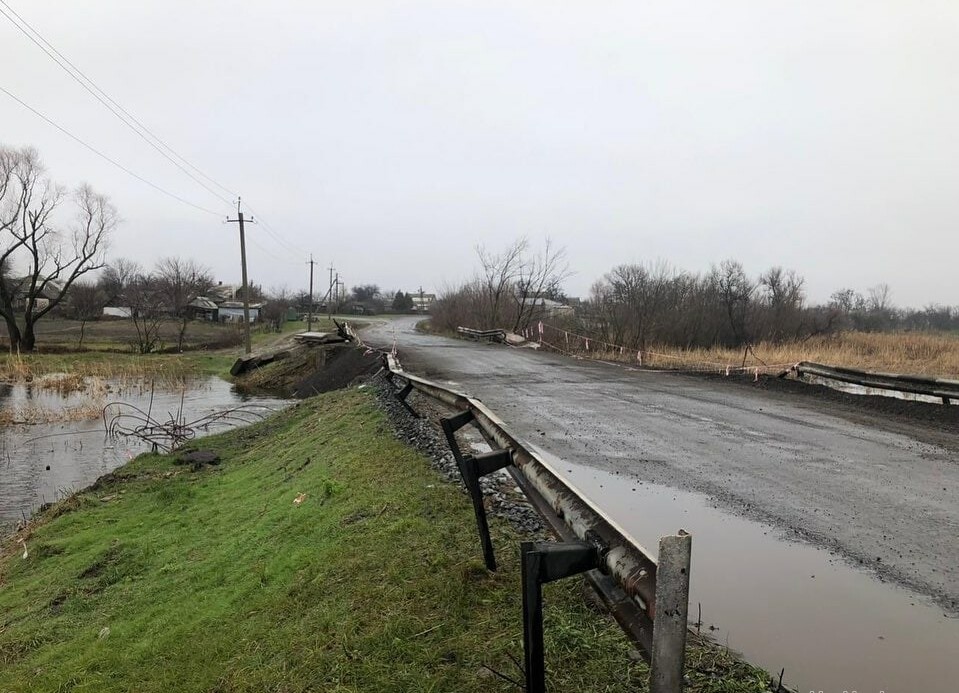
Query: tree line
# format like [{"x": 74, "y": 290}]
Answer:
[{"x": 642, "y": 305}]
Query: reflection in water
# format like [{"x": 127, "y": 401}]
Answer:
[
  {"x": 42, "y": 462},
  {"x": 786, "y": 604}
]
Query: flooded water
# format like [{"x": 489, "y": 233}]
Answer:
[
  {"x": 43, "y": 462},
  {"x": 785, "y": 604}
]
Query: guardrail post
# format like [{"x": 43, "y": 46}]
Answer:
[
  {"x": 670, "y": 619},
  {"x": 451, "y": 425},
  {"x": 401, "y": 396},
  {"x": 544, "y": 562},
  {"x": 472, "y": 469}
]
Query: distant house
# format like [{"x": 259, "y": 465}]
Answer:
[
  {"x": 223, "y": 292},
  {"x": 553, "y": 309},
  {"x": 232, "y": 311},
  {"x": 119, "y": 312},
  {"x": 422, "y": 302},
  {"x": 20, "y": 287},
  {"x": 202, "y": 308},
  {"x": 545, "y": 308}
]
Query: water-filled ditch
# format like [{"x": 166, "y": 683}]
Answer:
[{"x": 54, "y": 441}]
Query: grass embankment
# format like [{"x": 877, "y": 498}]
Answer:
[
  {"x": 915, "y": 353},
  {"x": 162, "y": 578}
]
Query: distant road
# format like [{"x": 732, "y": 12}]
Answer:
[{"x": 878, "y": 488}]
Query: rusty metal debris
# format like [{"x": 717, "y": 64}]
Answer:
[{"x": 124, "y": 420}]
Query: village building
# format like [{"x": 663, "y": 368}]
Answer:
[
  {"x": 21, "y": 288},
  {"x": 202, "y": 308},
  {"x": 422, "y": 302},
  {"x": 232, "y": 311}
]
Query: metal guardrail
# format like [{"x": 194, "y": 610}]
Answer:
[
  {"x": 648, "y": 599},
  {"x": 946, "y": 390},
  {"x": 489, "y": 335}
]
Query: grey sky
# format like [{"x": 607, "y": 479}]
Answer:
[{"x": 392, "y": 138}]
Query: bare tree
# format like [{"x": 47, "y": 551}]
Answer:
[
  {"x": 52, "y": 258},
  {"x": 538, "y": 277},
  {"x": 879, "y": 298},
  {"x": 736, "y": 291},
  {"x": 85, "y": 303},
  {"x": 179, "y": 282},
  {"x": 784, "y": 302},
  {"x": 116, "y": 277},
  {"x": 278, "y": 302},
  {"x": 499, "y": 275},
  {"x": 145, "y": 298}
]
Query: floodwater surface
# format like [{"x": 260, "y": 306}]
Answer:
[
  {"x": 43, "y": 462},
  {"x": 786, "y": 604}
]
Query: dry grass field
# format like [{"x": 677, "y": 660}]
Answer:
[
  {"x": 914, "y": 353},
  {"x": 64, "y": 335}
]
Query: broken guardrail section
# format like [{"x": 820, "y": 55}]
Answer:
[
  {"x": 937, "y": 388},
  {"x": 648, "y": 599},
  {"x": 488, "y": 335}
]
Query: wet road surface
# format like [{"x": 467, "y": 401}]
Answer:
[{"x": 860, "y": 490}]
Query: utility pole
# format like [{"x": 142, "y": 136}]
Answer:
[
  {"x": 309, "y": 314},
  {"x": 246, "y": 287},
  {"x": 329, "y": 295}
]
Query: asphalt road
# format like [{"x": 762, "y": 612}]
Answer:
[{"x": 879, "y": 490}]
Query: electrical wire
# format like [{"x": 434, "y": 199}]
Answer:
[
  {"x": 290, "y": 247},
  {"x": 107, "y": 158},
  {"x": 109, "y": 103},
  {"x": 136, "y": 126}
]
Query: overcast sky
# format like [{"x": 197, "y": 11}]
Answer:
[{"x": 392, "y": 138}]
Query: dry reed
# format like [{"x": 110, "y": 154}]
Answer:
[
  {"x": 168, "y": 373},
  {"x": 37, "y": 413},
  {"x": 914, "y": 353}
]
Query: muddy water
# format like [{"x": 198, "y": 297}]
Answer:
[
  {"x": 41, "y": 463},
  {"x": 785, "y": 604}
]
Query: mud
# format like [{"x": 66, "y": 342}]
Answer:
[
  {"x": 874, "y": 483},
  {"x": 342, "y": 366},
  {"x": 309, "y": 370}
]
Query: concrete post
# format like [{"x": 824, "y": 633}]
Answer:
[{"x": 672, "y": 609}]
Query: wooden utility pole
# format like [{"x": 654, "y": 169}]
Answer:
[
  {"x": 329, "y": 295},
  {"x": 309, "y": 314},
  {"x": 246, "y": 287}
]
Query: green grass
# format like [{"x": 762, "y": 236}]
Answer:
[{"x": 161, "y": 578}]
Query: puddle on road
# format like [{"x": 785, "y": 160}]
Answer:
[
  {"x": 43, "y": 462},
  {"x": 843, "y": 630}
]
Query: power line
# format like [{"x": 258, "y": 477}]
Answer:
[
  {"x": 109, "y": 103},
  {"x": 290, "y": 247},
  {"x": 107, "y": 158},
  {"x": 134, "y": 124}
]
